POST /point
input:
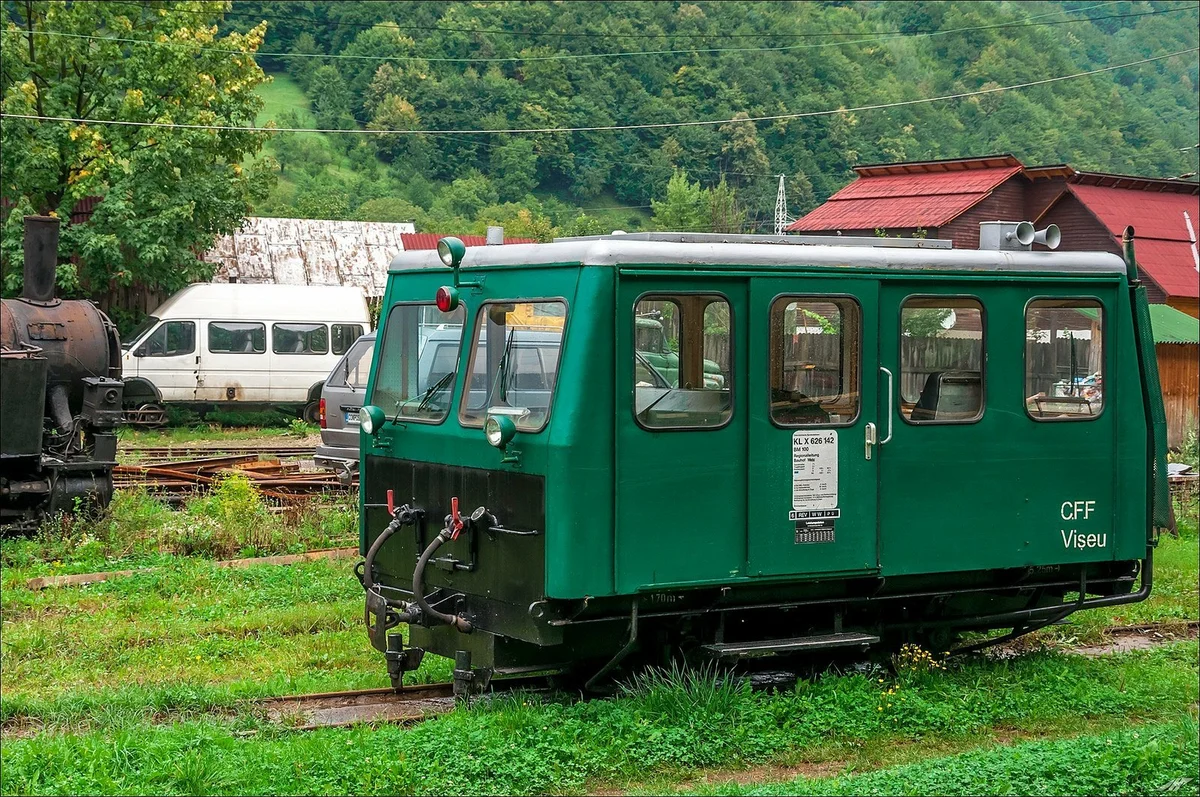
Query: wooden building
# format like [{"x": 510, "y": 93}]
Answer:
[{"x": 949, "y": 198}]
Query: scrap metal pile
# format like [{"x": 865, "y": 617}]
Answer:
[{"x": 276, "y": 473}]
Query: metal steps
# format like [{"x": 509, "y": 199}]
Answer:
[{"x": 765, "y": 647}]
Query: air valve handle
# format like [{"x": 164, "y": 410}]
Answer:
[
  {"x": 391, "y": 499},
  {"x": 456, "y": 523}
]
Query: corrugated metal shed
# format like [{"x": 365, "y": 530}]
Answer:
[
  {"x": 309, "y": 252},
  {"x": 321, "y": 252}
]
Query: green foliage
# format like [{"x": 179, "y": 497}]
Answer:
[
  {"x": 1149, "y": 111},
  {"x": 167, "y": 192}
]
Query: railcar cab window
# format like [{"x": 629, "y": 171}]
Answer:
[
  {"x": 941, "y": 360},
  {"x": 299, "y": 338},
  {"x": 815, "y": 354},
  {"x": 514, "y": 363},
  {"x": 172, "y": 339},
  {"x": 344, "y": 336},
  {"x": 409, "y": 385},
  {"x": 681, "y": 361},
  {"x": 228, "y": 337},
  {"x": 1064, "y": 359}
]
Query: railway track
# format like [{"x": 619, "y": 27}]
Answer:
[
  {"x": 411, "y": 704},
  {"x": 153, "y": 454},
  {"x": 421, "y": 702},
  {"x": 275, "y": 471}
]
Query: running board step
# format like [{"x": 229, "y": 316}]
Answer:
[{"x": 767, "y": 646}]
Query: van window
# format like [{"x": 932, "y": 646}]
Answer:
[
  {"x": 514, "y": 363},
  {"x": 406, "y": 384},
  {"x": 230, "y": 337},
  {"x": 681, "y": 361},
  {"x": 815, "y": 353},
  {"x": 299, "y": 338},
  {"x": 146, "y": 325},
  {"x": 344, "y": 336},
  {"x": 355, "y": 368},
  {"x": 941, "y": 360},
  {"x": 171, "y": 340},
  {"x": 1064, "y": 359}
]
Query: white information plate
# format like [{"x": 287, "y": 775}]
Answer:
[{"x": 814, "y": 470}]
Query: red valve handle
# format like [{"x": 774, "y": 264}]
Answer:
[
  {"x": 456, "y": 524},
  {"x": 391, "y": 503}
]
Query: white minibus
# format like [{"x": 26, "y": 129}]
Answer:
[{"x": 238, "y": 345}]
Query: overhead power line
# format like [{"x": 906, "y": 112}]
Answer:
[
  {"x": 493, "y": 31},
  {"x": 578, "y": 56},
  {"x": 605, "y": 128}
]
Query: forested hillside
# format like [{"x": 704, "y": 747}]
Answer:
[{"x": 500, "y": 66}]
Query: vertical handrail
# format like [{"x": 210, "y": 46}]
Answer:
[{"x": 888, "y": 408}]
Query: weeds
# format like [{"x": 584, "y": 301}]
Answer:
[{"x": 230, "y": 520}]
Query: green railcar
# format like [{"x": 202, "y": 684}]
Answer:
[{"x": 861, "y": 442}]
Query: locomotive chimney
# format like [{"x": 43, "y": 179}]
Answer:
[{"x": 41, "y": 258}]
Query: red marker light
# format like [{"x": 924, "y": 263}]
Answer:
[{"x": 446, "y": 299}]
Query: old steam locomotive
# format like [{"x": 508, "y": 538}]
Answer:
[{"x": 60, "y": 384}]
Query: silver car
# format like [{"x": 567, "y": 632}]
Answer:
[{"x": 341, "y": 398}]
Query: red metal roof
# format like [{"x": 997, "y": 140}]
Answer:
[
  {"x": 904, "y": 200},
  {"x": 1162, "y": 242},
  {"x": 413, "y": 241}
]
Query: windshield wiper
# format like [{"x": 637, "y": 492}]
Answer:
[
  {"x": 501, "y": 372},
  {"x": 436, "y": 388}
]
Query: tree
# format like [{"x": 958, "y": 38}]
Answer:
[
  {"x": 514, "y": 168},
  {"x": 686, "y": 206},
  {"x": 167, "y": 192}
]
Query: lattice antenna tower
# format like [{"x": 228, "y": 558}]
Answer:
[{"x": 781, "y": 215}]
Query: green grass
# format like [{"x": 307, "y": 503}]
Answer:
[
  {"x": 1157, "y": 759},
  {"x": 676, "y": 728},
  {"x": 136, "y": 685}
]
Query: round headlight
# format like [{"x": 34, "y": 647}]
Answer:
[
  {"x": 450, "y": 251},
  {"x": 370, "y": 419},
  {"x": 499, "y": 429}
]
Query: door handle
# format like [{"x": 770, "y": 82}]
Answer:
[
  {"x": 888, "y": 406},
  {"x": 872, "y": 438}
]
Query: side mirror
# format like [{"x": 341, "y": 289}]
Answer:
[
  {"x": 370, "y": 419},
  {"x": 140, "y": 351}
]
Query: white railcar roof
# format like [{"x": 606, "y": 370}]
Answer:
[{"x": 717, "y": 251}]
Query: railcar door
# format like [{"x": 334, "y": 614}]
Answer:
[
  {"x": 681, "y": 430},
  {"x": 814, "y": 423}
]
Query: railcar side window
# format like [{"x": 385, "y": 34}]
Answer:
[
  {"x": 681, "y": 362},
  {"x": 228, "y": 337},
  {"x": 344, "y": 336},
  {"x": 408, "y": 383},
  {"x": 815, "y": 354},
  {"x": 514, "y": 363},
  {"x": 941, "y": 360},
  {"x": 299, "y": 338},
  {"x": 1064, "y": 359},
  {"x": 171, "y": 340}
]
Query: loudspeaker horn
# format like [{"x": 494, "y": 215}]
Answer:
[{"x": 1050, "y": 237}]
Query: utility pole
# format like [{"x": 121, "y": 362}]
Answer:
[{"x": 781, "y": 214}]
